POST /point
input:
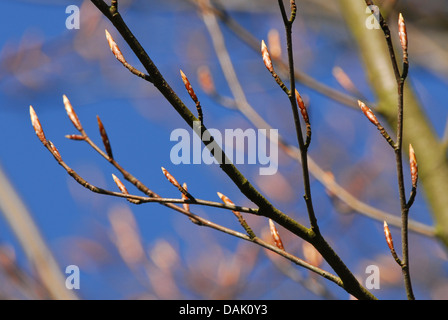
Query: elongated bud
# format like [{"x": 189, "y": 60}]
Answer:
[
  {"x": 120, "y": 184},
  {"x": 402, "y": 33},
  {"x": 55, "y": 151},
  {"x": 185, "y": 205},
  {"x": 225, "y": 199},
  {"x": 277, "y": 240},
  {"x": 37, "y": 126},
  {"x": 206, "y": 80},
  {"x": 123, "y": 189},
  {"x": 75, "y": 137},
  {"x": 238, "y": 214},
  {"x": 302, "y": 107},
  {"x": 266, "y": 57},
  {"x": 71, "y": 113},
  {"x": 189, "y": 87},
  {"x": 114, "y": 48},
  {"x": 274, "y": 43},
  {"x": 105, "y": 138},
  {"x": 413, "y": 165},
  {"x": 368, "y": 113},
  {"x": 388, "y": 236},
  {"x": 176, "y": 184},
  {"x": 170, "y": 178}
]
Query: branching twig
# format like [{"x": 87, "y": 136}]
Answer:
[
  {"x": 240, "y": 103},
  {"x": 347, "y": 280},
  {"x": 254, "y": 43},
  {"x": 295, "y": 110},
  {"x": 169, "y": 203},
  {"x": 243, "y": 105},
  {"x": 400, "y": 80}
]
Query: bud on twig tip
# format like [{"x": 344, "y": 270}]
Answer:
[
  {"x": 388, "y": 236},
  {"x": 75, "y": 137},
  {"x": 266, "y": 57},
  {"x": 224, "y": 198},
  {"x": 402, "y": 33},
  {"x": 71, "y": 113},
  {"x": 189, "y": 87},
  {"x": 171, "y": 178},
  {"x": 368, "y": 113},
  {"x": 413, "y": 166},
  {"x": 239, "y": 216},
  {"x": 302, "y": 107},
  {"x": 185, "y": 205},
  {"x": 105, "y": 138},
  {"x": 114, "y": 48},
  {"x": 37, "y": 126},
  {"x": 120, "y": 184},
  {"x": 55, "y": 151}
]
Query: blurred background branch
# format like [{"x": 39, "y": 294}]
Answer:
[{"x": 39, "y": 255}]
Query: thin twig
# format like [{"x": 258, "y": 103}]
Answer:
[
  {"x": 240, "y": 103},
  {"x": 400, "y": 79},
  {"x": 351, "y": 284},
  {"x": 295, "y": 110},
  {"x": 249, "y": 39},
  {"x": 195, "y": 218}
]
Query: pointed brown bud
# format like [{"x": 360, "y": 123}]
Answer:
[
  {"x": 388, "y": 236},
  {"x": 185, "y": 205},
  {"x": 277, "y": 240},
  {"x": 226, "y": 200},
  {"x": 189, "y": 87},
  {"x": 241, "y": 220},
  {"x": 37, "y": 126},
  {"x": 368, "y": 113},
  {"x": 105, "y": 138},
  {"x": 71, "y": 113},
  {"x": 123, "y": 189},
  {"x": 413, "y": 165},
  {"x": 75, "y": 137},
  {"x": 302, "y": 107},
  {"x": 205, "y": 80},
  {"x": 170, "y": 178},
  {"x": 55, "y": 151},
  {"x": 176, "y": 184},
  {"x": 114, "y": 48},
  {"x": 120, "y": 184},
  {"x": 402, "y": 33},
  {"x": 266, "y": 57}
]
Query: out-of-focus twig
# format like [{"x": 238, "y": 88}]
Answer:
[{"x": 32, "y": 242}]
